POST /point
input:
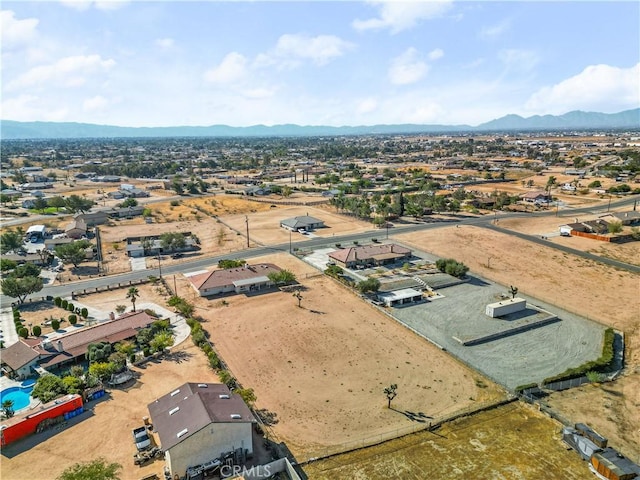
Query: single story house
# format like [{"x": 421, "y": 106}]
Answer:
[
  {"x": 248, "y": 278},
  {"x": 67, "y": 348},
  {"x": 92, "y": 219},
  {"x": 126, "y": 212},
  {"x": 626, "y": 218},
  {"x": 11, "y": 193},
  {"x": 304, "y": 222},
  {"x": 77, "y": 228},
  {"x": 136, "y": 248},
  {"x": 535, "y": 197},
  {"x": 200, "y": 422},
  {"x": 370, "y": 255}
]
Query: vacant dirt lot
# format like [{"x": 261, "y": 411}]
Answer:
[
  {"x": 510, "y": 442},
  {"x": 105, "y": 430},
  {"x": 322, "y": 367}
]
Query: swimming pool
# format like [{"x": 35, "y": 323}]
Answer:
[{"x": 21, "y": 396}]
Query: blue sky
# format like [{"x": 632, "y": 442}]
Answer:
[{"x": 144, "y": 63}]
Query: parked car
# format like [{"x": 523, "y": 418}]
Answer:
[{"x": 141, "y": 438}]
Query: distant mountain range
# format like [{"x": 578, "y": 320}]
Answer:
[{"x": 576, "y": 120}]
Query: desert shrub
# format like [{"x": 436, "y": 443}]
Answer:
[
  {"x": 214, "y": 361},
  {"x": 452, "y": 267},
  {"x": 55, "y": 324},
  {"x": 37, "y": 331},
  {"x": 175, "y": 203},
  {"x": 23, "y": 332},
  {"x": 73, "y": 319}
]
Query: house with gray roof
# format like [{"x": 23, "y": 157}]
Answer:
[
  {"x": 303, "y": 222},
  {"x": 370, "y": 255},
  {"x": 199, "y": 422}
]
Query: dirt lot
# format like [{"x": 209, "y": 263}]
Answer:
[
  {"x": 587, "y": 288},
  {"x": 105, "y": 430},
  {"x": 322, "y": 367},
  {"x": 511, "y": 442}
]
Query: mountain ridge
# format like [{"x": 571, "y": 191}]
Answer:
[{"x": 574, "y": 120}]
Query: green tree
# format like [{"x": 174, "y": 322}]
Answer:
[
  {"x": 391, "y": 393},
  {"x": 48, "y": 387},
  {"x": 614, "y": 227},
  {"x": 98, "y": 352},
  {"x": 120, "y": 309},
  {"x": 57, "y": 203},
  {"x": 36, "y": 330},
  {"x": 7, "y": 408},
  {"x": 248, "y": 396},
  {"x": 133, "y": 294},
  {"x": 452, "y": 267},
  {"x": 10, "y": 240},
  {"x": 283, "y": 277},
  {"x": 595, "y": 184},
  {"x": 20, "y": 288},
  {"x": 129, "y": 202},
  {"x": 40, "y": 204},
  {"x": 369, "y": 285},
  {"x": 126, "y": 348},
  {"x": 98, "y": 469},
  {"x": 172, "y": 241},
  {"x": 73, "y": 384},
  {"x": 102, "y": 370},
  {"x": 55, "y": 324},
  {"x": 74, "y": 252},
  {"x": 161, "y": 341},
  {"x": 76, "y": 203},
  {"x": 7, "y": 265}
]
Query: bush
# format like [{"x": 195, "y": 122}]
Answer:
[
  {"x": 23, "y": 332},
  {"x": 64, "y": 303},
  {"x": 55, "y": 324},
  {"x": 73, "y": 319},
  {"x": 175, "y": 203},
  {"x": 214, "y": 361},
  {"x": 146, "y": 351},
  {"x": 84, "y": 313},
  {"x": 57, "y": 301},
  {"x": 71, "y": 307},
  {"x": 16, "y": 314},
  {"x": 452, "y": 267},
  {"x": 37, "y": 331}
]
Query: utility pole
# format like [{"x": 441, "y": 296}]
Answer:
[
  {"x": 289, "y": 241},
  {"x": 175, "y": 287},
  {"x": 159, "y": 266},
  {"x": 246, "y": 219}
]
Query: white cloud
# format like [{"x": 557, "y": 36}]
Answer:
[
  {"x": 597, "y": 87},
  {"x": 233, "y": 68},
  {"x": 366, "y": 105},
  {"x": 402, "y": 15},
  {"x": 165, "y": 43},
  {"x": 82, "y": 5},
  {"x": 519, "y": 60},
  {"x": 436, "y": 54},
  {"x": 258, "y": 93},
  {"x": 493, "y": 31},
  {"x": 94, "y": 103},
  {"x": 407, "y": 68},
  {"x": 291, "y": 49},
  {"x": 66, "y": 72},
  {"x": 26, "y": 108},
  {"x": 17, "y": 33}
]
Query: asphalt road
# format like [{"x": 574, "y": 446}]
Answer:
[{"x": 202, "y": 263}]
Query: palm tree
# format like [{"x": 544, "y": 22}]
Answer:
[
  {"x": 133, "y": 294},
  {"x": 7, "y": 408}
]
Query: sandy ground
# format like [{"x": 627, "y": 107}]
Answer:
[
  {"x": 322, "y": 368},
  {"x": 511, "y": 442},
  {"x": 105, "y": 430},
  {"x": 265, "y": 229},
  {"x": 587, "y": 288}
]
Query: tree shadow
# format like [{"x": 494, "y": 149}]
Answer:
[
  {"x": 178, "y": 357},
  {"x": 268, "y": 418},
  {"x": 419, "y": 417}
]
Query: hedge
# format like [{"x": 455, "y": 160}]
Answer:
[{"x": 599, "y": 365}]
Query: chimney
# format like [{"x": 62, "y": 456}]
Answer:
[
  {"x": 112, "y": 316},
  {"x": 59, "y": 346}
]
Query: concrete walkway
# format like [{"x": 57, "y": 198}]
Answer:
[{"x": 8, "y": 332}]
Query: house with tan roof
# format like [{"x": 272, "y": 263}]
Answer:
[
  {"x": 370, "y": 255},
  {"x": 200, "y": 422},
  {"x": 248, "y": 278}
]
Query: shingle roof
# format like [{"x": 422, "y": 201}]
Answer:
[
  {"x": 302, "y": 221},
  {"x": 191, "y": 407},
  {"x": 219, "y": 278},
  {"x": 18, "y": 355}
]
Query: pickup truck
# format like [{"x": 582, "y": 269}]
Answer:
[{"x": 141, "y": 438}]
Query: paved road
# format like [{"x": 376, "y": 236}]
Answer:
[{"x": 202, "y": 263}]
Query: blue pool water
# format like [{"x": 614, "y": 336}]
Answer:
[{"x": 21, "y": 396}]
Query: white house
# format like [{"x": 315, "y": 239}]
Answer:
[{"x": 199, "y": 422}]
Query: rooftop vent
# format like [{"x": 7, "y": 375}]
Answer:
[
  {"x": 175, "y": 392},
  {"x": 182, "y": 433},
  {"x": 223, "y": 395},
  {"x": 173, "y": 410},
  {"x": 203, "y": 385},
  {"x": 236, "y": 416}
]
